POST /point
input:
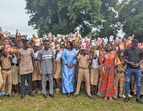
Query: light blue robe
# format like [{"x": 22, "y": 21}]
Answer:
[{"x": 68, "y": 74}]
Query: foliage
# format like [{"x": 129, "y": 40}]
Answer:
[
  {"x": 131, "y": 15},
  {"x": 63, "y": 16},
  {"x": 96, "y": 18}
]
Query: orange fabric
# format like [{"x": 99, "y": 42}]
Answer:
[{"x": 107, "y": 83}]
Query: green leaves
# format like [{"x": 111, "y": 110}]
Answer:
[
  {"x": 131, "y": 16},
  {"x": 63, "y": 16},
  {"x": 97, "y": 18}
]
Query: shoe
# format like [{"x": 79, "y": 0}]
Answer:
[
  {"x": 75, "y": 94},
  {"x": 130, "y": 96},
  {"x": 1, "y": 96},
  {"x": 6, "y": 94},
  {"x": 141, "y": 97},
  {"x": 39, "y": 92},
  {"x": 90, "y": 96},
  {"x": 57, "y": 90},
  {"x": 32, "y": 95},
  {"x": 123, "y": 96},
  {"x": 22, "y": 96},
  {"x": 51, "y": 95},
  {"x": 126, "y": 99},
  {"x": 139, "y": 100},
  {"x": 44, "y": 95},
  {"x": 10, "y": 95}
]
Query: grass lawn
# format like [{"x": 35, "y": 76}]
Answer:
[{"x": 63, "y": 103}]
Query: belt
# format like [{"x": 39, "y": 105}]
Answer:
[
  {"x": 120, "y": 72},
  {"x": 14, "y": 64},
  {"x": 83, "y": 68},
  {"x": 6, "y": 69}
]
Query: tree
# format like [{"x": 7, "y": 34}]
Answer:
[
  {"x": 109, "y": 25},
  {"x": 131, "y": 16},
  {"x": 64, "y": 16}
]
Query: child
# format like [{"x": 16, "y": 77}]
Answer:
[
  {"x": 83, "y": 71},
  {"x": 36, "y": 77},
  {"x": 6, "y": 59},
  {"x": 120, "y": 77},
  {"x": 1, "y": 78},
  {"x": 94, "y": 74},
  {"x": 58, "y": 72},
  {"x": 15, "y": 76}
]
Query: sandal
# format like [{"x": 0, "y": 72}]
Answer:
[
  {"x": 110, "y": 99},
  {"x": 57, "y": 90},
  {"x": 105, "y": 98}
]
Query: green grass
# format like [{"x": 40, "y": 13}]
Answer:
[{"x": 63, "y": 103}]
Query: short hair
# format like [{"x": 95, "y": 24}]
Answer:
[
  {"x": 71, "y": 44},
  {"x": 46, "y": 41},
  {"x": 25, "y": 41},
  {"x": 134, "y": 41}
]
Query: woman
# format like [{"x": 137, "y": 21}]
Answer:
[
  {"x": 68, "y": 68},
  {"x": 108, "y": 62}
]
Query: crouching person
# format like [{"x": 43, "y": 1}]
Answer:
[{"x": 83, "y": 72}]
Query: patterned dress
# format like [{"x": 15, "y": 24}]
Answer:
[{"x": 107, "y": 83}]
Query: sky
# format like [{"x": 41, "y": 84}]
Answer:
[{"x": 13, "y": 16}]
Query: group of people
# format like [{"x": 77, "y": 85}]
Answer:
[{"x": 104, "y": 69}]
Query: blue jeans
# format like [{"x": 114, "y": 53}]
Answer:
[
  {"x": 29, "y": 77},
  {"x": 137, "y": 74}
]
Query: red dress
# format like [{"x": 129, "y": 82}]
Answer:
[{"x": 107, "y": 83}]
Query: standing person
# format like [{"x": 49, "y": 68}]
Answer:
[
  {"x": 36, "y": 77},
  {"x": 58, "y": 72},
  {"x": 46, "y": 64},
  {"x": 68, "y": 69},
  {"x": 6, "y": 59},
  {"x": 15, "y": 73},
  {"x": 107, "y": 84},
  {"x": 83, "y": 71},
  {"x": 6, "y": 71},
  {"x": 25, "y": 56},
  {"x": 121, "y": 77},
  {"x": 94, "y": 73},
  {"x": 1, "y": 78},
  {"x": 133, "y": 56},
  {"x": 76, "y": 67}
]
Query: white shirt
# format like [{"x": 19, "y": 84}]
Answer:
[
  {"x": 59, "y": 55},
  {"x": 14, "y": 60},
  {"x": 36, "y": 55},
  {"x": 95, "y": 64}
]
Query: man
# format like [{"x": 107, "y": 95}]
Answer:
[
  {"x": 26, "y": 56},
  {"x": 46, "y": 66},
  {"x": 133, "y": 56}
]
